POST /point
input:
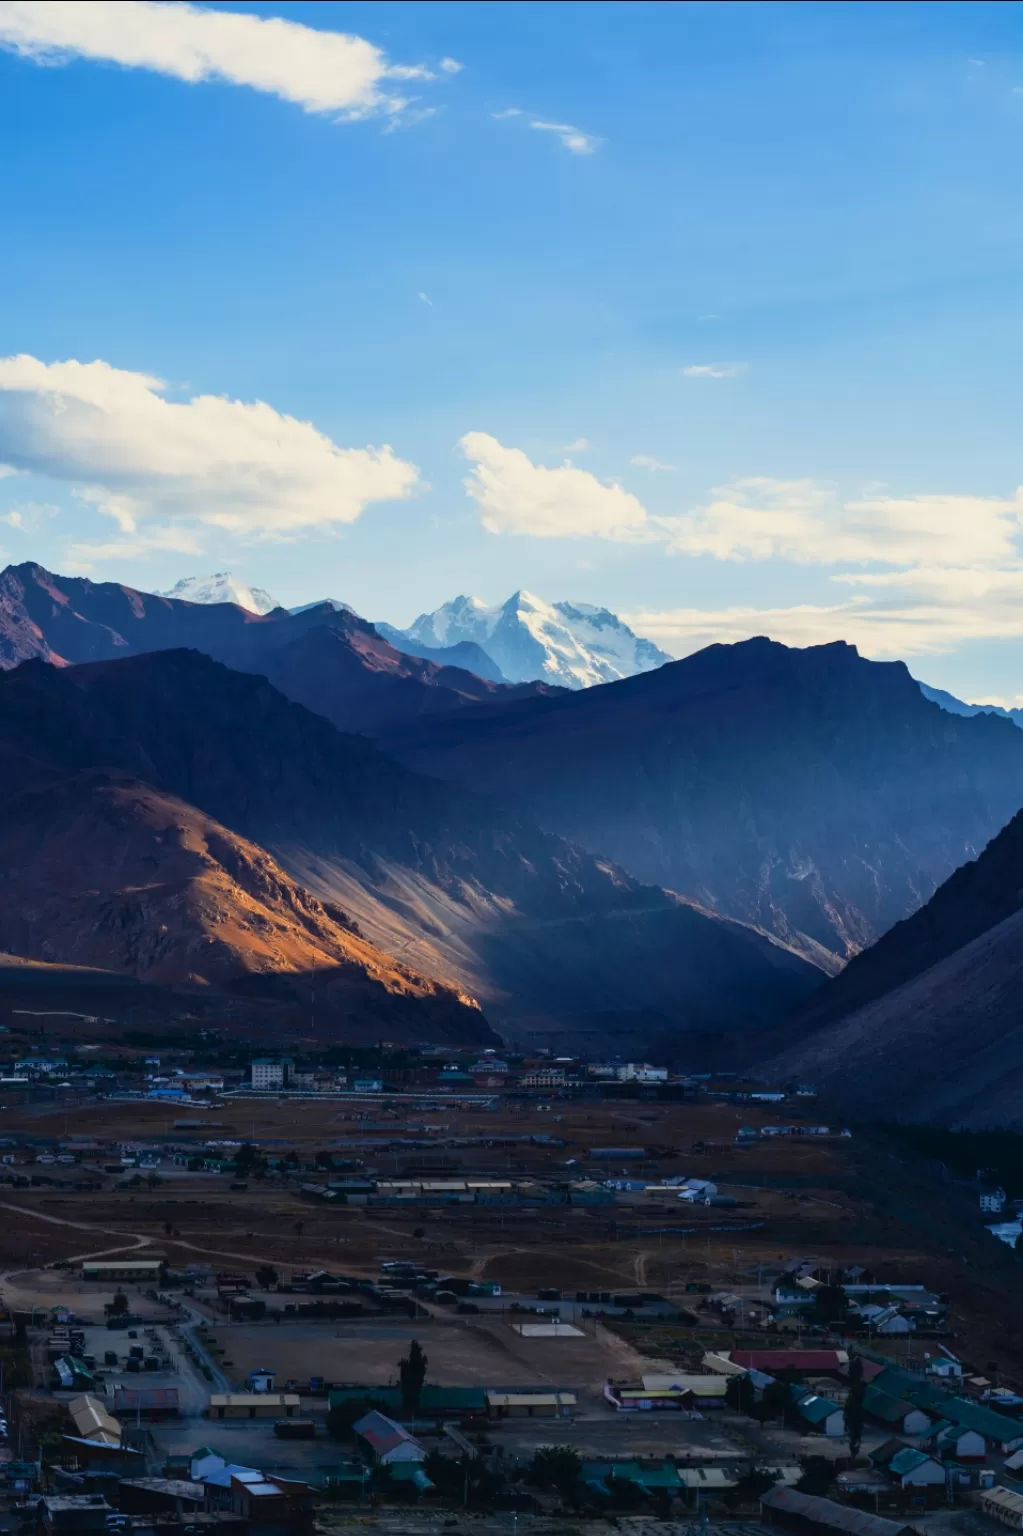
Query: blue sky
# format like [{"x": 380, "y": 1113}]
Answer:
[{"x": 772, "y": 248}]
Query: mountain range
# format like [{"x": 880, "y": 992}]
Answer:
[
  {"x": 275, "y": 807},
  {"x": 811, "y": 793},
  {"x": 572, "y": 644},
  {"x": 156, "y": 759}
]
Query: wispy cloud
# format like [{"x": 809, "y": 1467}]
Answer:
[
  {"x": 451, "y": 66},
  {"x": 578, "y": 445},
  {"x": 715, "y": 370},
  {"x": 644, "y": 461},
  {"x": 425, "y": 298},
  {"x": 320, "y": 71},
  {"x": 574, "y": 140}
]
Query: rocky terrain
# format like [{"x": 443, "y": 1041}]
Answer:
[
  {"x": 812, "y": 793},
  {"x": 927, "y": 1024},
  {"x": 550, "y": 940},
  {"x": 104, "y": 871}
]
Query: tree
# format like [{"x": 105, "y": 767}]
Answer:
[
  {"x": 854, "y": 1406},
  {"x": 740, "y": 1394},
  {"x": 750, "y": 1487},
  {"x": 266, "y": 1277},
  {"x": 830, "y": 1304},
  {"x": 411, "y": 1376},
  {"x": 818, "y": 1475},
  {"x": 118, "y": 1307},
  {"x": 557, "y": 1467}
]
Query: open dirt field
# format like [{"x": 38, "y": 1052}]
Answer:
[{"x": 839, "y": 1200}]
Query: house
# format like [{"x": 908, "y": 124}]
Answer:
[
  {"x": 906, "y": 1466},
  {"x": 1003, "y": 1505},
  {"x": 705, "y": 1391},
  {"x": 805, "y": 1512},
  {"x": 138, "y": 1271},
  {"x": 254, "y": 1405},
  {"x": 956, "y": 1442},
  {"x": 160, "y": 1495},
  {"x": 387, "y": 1441},
  {"x": 72, "y": 1515},
  {"x": 904, "y": 1417},
  {"x": 531, "y": 1405},
  {"x": 92, "y": 1422},
  {"x": 992, "y": 1199},
  {"x": 804, "y": 1360},
  {"x": 72, "y": 1374},
  {"x": 261, "y": 1380},
  {"x": 821, "y": 1415}
]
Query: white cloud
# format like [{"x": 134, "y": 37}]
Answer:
[
  {"x": 426, "y": 299},
  {"x": 320, "y": 71},
  {"x": 574, "y": 140},
  {"x": 578, "y": 445},
  {"x": 163, "y": 469},
  {"x": 451, "y": 66},
  {"x": 516, "y": 496},
  {"x": 715, "y": 370},
  {"x": 759, "y": 518},
  {"x": 920, "y": 618},
  {"x": 644, "y": 461},
  {"x": 29, "y": 516},
  {"x": 501, "y": 117}
]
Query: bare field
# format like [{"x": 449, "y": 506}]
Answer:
[
  {"x": 839, "y": 1200},
  {"x": 474, "y": 1352}
]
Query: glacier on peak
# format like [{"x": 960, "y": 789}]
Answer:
[
  {"x": 221, "y": 587},
  {"x": 575, "y": 645}
]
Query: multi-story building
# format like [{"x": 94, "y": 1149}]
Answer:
[{"x": 268, "y": 1074}]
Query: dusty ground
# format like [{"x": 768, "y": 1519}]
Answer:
[
  {"x": 462, "y": 1352},
  {"x": 838, "y": 1200}
]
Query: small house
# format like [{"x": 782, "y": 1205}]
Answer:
[
  {"x": 957, "y": 1442},
  {"x": 906, "y": 1466},
  {"x": 821, "y": 1415},
  {"x": 386, "y": 1440},
  {"x": 904, "y": 1418}
]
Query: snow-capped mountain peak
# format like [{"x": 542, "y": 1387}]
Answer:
[
  {"x": 221, "y": 587},
  {"x": 572, "y": 644}
]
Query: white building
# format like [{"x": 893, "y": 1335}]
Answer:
[{"x": 268, "y": 1074}]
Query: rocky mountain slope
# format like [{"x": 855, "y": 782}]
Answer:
[
  {"x": 571, "y": 644},
  {"x": 810, "y": 792},
  {"x": 325, "y": 657},
  {"x": 551, "y": 940},
  {"x": 102, "y": 870},
  {"x": 927, "y": 1024}
]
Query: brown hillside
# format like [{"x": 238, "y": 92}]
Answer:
[{"x": 103, "y": 870}]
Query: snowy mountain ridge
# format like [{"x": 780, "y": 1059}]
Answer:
[
  {"x": 221, "y": 587},
  {"x": 575, "y": 645}
]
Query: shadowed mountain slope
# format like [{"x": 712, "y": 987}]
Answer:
[
  {"x": 546, "y": 936},
  {"x": 812, "y": 793},
  {"x": 928, "y": 1023}
]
